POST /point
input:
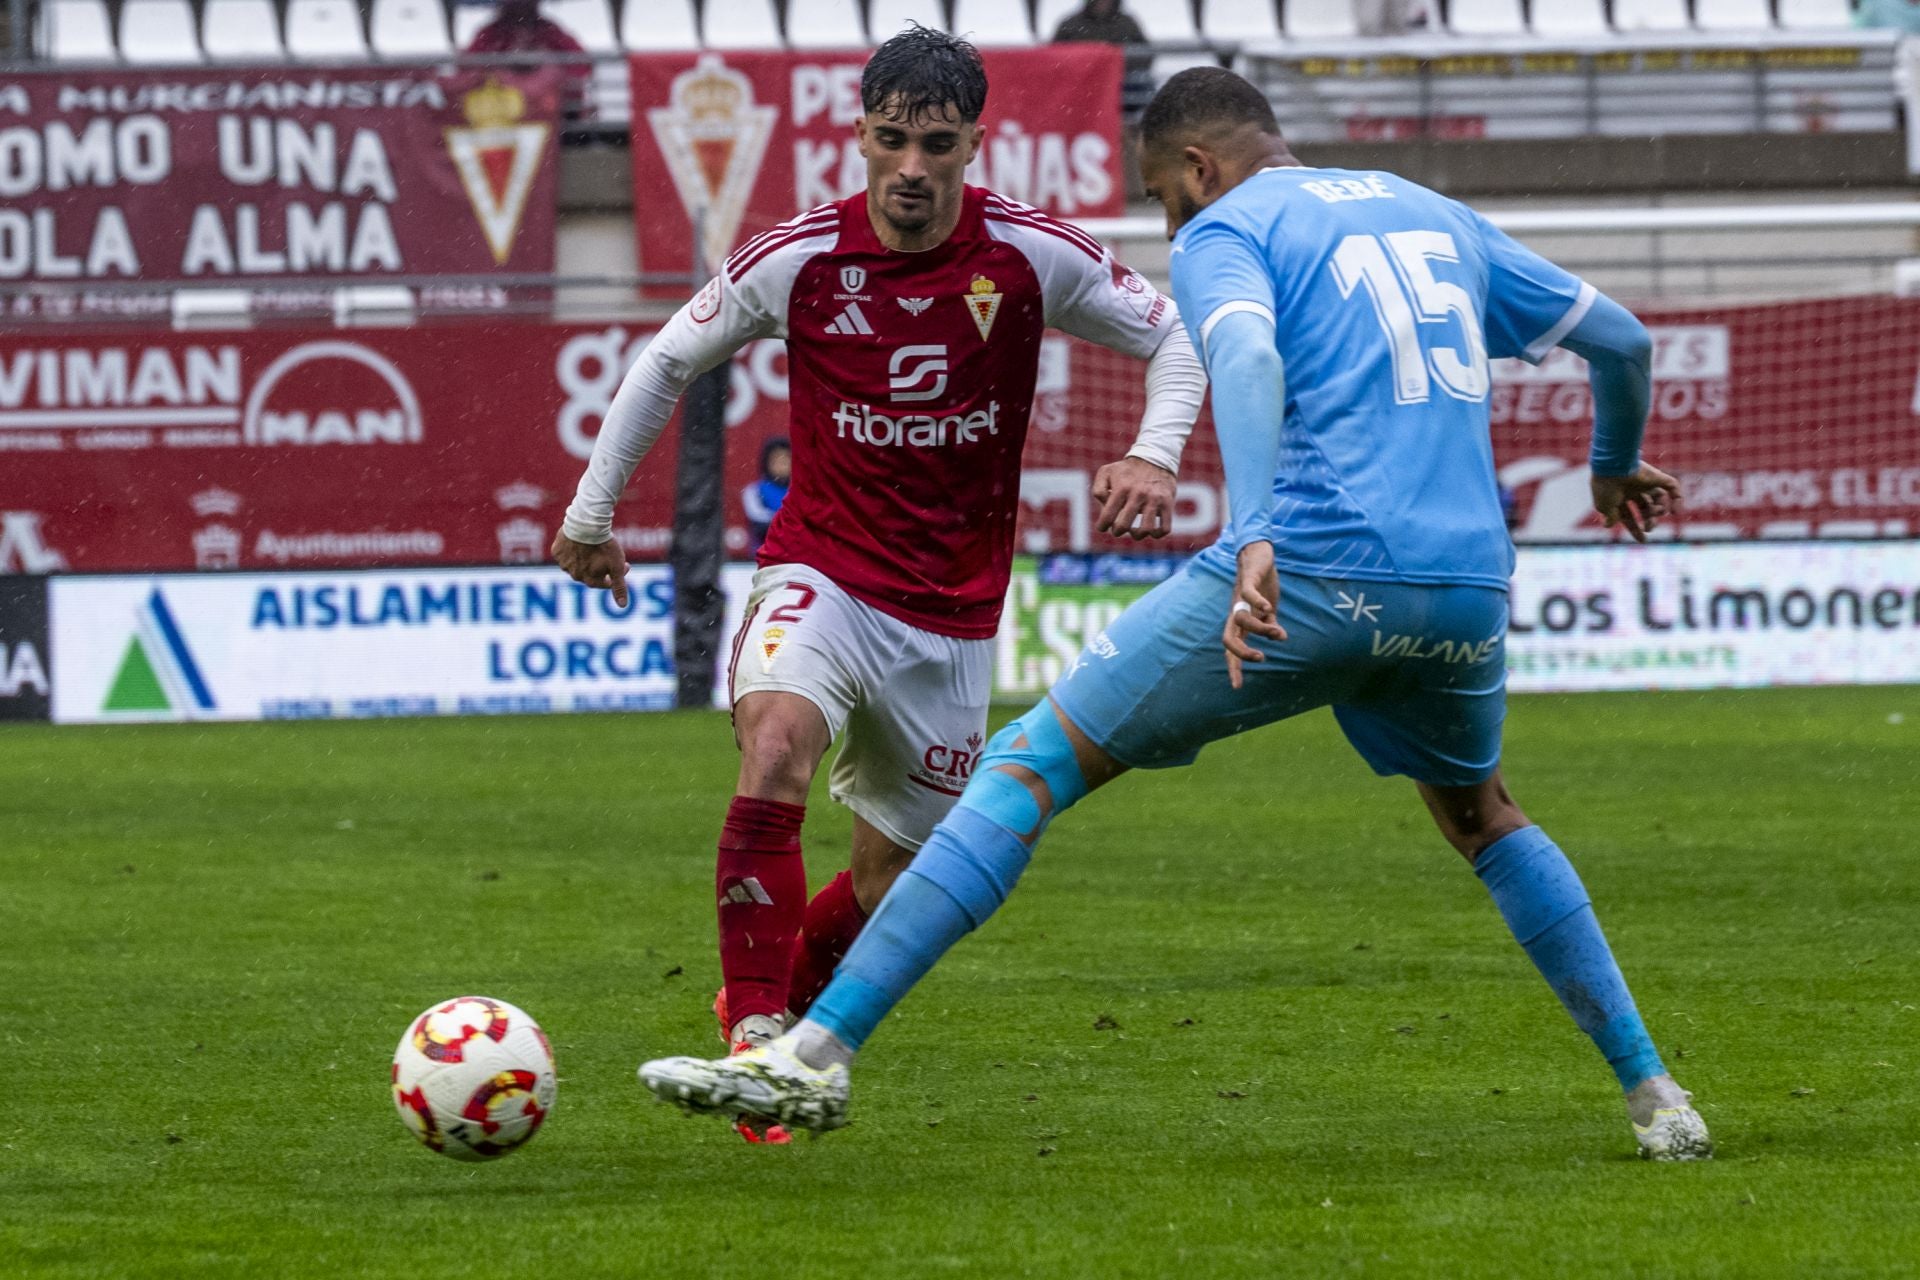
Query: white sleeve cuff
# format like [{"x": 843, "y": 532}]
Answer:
[
  {"x": 1537, "y": 349},
  {"x": 1226, "y": 309}
]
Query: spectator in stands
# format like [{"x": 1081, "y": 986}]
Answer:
[
  {"x": 1890, "y": 15},
  {"x": 763, "y": 497},
  {"x": 518, "y": 26},
  {"x": 1105, "y": 22},
  {"x": 1100, "y": 21}
]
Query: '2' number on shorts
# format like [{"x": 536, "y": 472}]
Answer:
[
  {"x": 805, "y": 597},
  {"x": 1398, "y": 276}
]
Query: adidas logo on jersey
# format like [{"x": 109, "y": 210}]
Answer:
[
  {"x": 851, "y": 320},
  {"x": 742, "y": 892}
]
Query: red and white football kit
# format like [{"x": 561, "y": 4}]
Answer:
[{"x": 912, "y": 377}]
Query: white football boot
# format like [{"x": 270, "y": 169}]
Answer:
[
  {"x": 767, "y": 1080},
  {"x": 1664, "y": 1121}
]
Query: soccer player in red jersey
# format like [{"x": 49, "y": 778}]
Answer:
[{"x": 913, "y": 314}]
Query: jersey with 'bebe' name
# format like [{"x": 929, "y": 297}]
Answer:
[
  {"x": 1388, "y": 302},
  {"x": 911, "y": 378}
]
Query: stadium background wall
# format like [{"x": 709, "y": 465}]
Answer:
[{"x": 252, "y": 449}]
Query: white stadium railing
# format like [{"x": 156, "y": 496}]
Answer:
[{"x": 1692, "y": 251}]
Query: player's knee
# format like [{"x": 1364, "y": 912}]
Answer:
[
  {"x": 775, "y": 754},
  {"x": 1475, "y": 830},
  {"x": 1027, "y": 774}
]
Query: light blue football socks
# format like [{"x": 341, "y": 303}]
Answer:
[
  {"x": 960, "y": 877},
  {"x": 1542, "y": 900}
]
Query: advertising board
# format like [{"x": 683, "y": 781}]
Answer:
[
  {"x": 1583, "y": 618},
  {"x": 461, "y": 443},
  {"x": 26, "y": 686},
  {"x": 525, "y": 640},
  {"x": 322, "y": 646}
]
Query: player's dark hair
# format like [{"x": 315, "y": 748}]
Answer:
[
  {"x": 1202, "y": 100},
  {"x": 921, "y": 71}
]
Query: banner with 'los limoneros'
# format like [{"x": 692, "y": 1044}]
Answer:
[
  {"x": 211, "y": 176},
  {"x": 1582, "y": 618}
]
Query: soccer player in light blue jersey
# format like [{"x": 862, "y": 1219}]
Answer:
[{"x": 1347, "y": 320}]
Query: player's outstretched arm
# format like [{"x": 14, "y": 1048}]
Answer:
[
  {"x": 1627, "y": 492},
  {"x": 723, "y": 318}
]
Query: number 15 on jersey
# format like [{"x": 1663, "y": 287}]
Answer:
[{"x": 1396, "y": 269}]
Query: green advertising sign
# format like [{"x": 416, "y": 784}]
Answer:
[{"x": 1055, "y": 605}]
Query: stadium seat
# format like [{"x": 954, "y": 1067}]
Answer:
[
  {"x": 409, "y": 29},
  {"x": 1319, "y": 19},
  {"x": 1164, "y": 19},
  {"x": 158, "y": 31},
  {"x": 1168, "y": 65},
  {"x": 886, "y": 17},
  {"x": 825, "y": 24},
  {"x": 325, "y": 31},
  {"x": 993, "y": 22},
  {"x": 588, "y": 21},
  {"x": 1815, "y": 15},
  {"x": 1650, "y": 15},
  {"x": 76, "y": 31},
  {"x": 1733, "y": 15},
  {"x": 1486, "y": 18},
  {"x": 241, "y": 31},
  {"x": 739, "y": 24},
  {"x": 1239, "y": 20},
  {"x": 1569, "y": 18},
  {"x": 659, "y": 26},
  {"x": 1048, "y": 15}
]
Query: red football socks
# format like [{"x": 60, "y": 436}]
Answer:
[
  {"x": 834, "y": 919},
  {"x": 762, "y": 884}
]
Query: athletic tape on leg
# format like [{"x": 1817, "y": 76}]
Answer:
[{"x": 1037, "y": 741}]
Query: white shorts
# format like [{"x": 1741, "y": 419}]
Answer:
[{"x": 912, "y": 705}]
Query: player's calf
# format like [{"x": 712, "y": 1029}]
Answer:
[{"x": 1030, "y": 771}]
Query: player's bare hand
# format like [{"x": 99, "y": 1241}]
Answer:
[
  {"x": 1255, "y": 610},
  {"x": 598, "y": 564},
  {"x": 1636, "y": 503},
  {"x": 1136, "y": 499}
]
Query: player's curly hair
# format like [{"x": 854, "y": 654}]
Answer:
[
  {"x": 1201, "y": 99},
  {"x": 919, "y": 72}
]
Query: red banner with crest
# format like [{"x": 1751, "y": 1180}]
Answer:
[
  {"x": 734, "y": 143},
  {"x": 217, "y": 177}
]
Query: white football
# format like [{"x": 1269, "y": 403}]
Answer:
[{"x": 473, "y": 1078}]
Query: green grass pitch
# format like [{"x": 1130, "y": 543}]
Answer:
[{"x": 1247, "y": 1019}]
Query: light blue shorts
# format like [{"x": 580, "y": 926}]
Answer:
[{"x": 1416, "y": 675}]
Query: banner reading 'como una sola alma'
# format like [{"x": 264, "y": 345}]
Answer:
[{"x": 261, "y": 175}]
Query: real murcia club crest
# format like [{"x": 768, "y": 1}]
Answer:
[
  {"x": 497, "y": 156},
  {"x": 983, "y": 304},
  {"x": 713, "y": 137}
]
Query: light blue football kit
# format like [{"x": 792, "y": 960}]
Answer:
[
  {"x": 1347, "y": 320},
  {"x": 1385, "y": 302}
]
